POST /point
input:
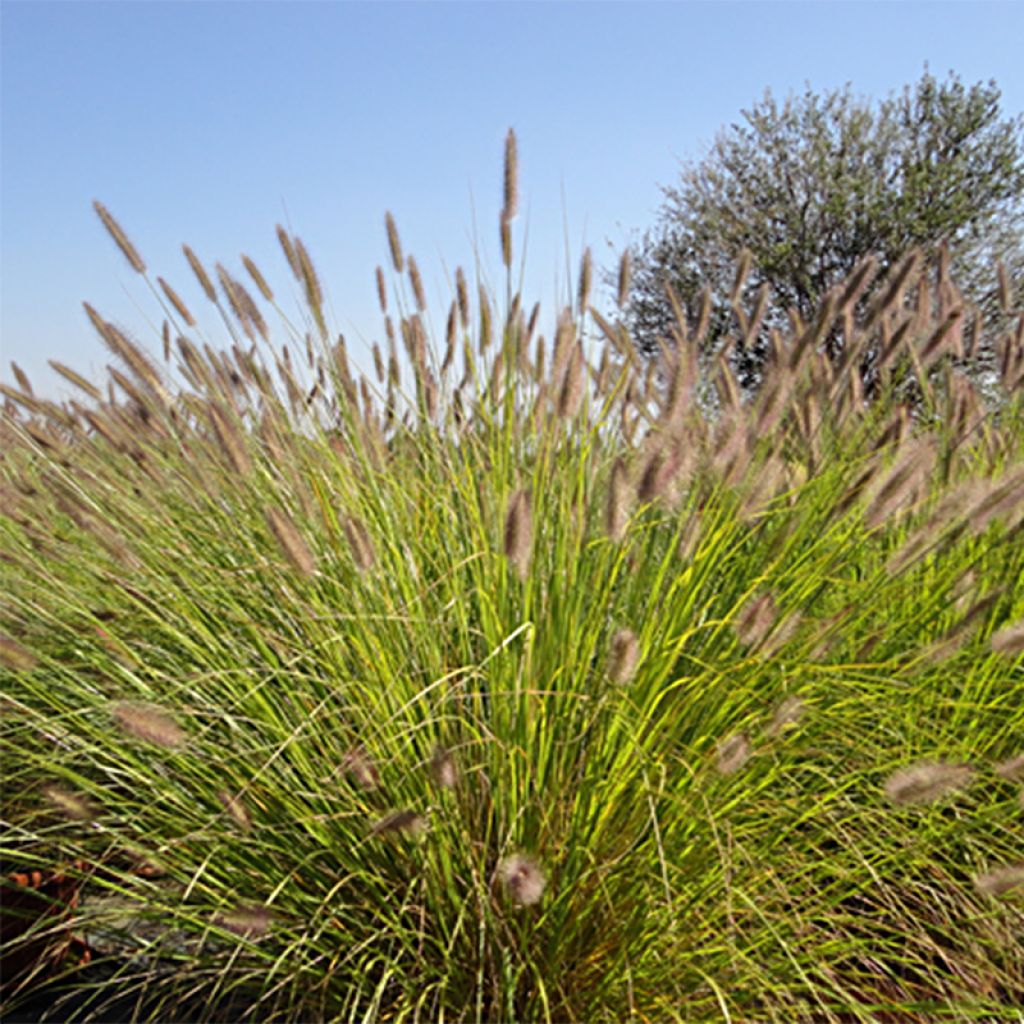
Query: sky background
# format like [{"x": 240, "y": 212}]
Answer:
[{"x": 209, "y": 123}]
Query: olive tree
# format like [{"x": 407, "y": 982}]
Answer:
[{"x": 810, "y": 186}]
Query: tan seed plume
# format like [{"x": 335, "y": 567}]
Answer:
[
  {"x": 314, "y": 293},
  {"x": 230, "y": 440},
  {"x": 1012, "y": 769},
  {"x": 571, "y": 393},
  {"x": 176, "y": 301},
  {"x": 486, "y": 326},
  {"x": 926, "y": 781},
  {"x": 1000, "y": 880},
  {"x": 523, "y": 879},
  {"x": 519, "y": 532},
  {"x": 450, "y": 337},
  {"x": 71, "y": 805},
  {"x": 130, "y": 355},
  {"x": 743, "y": 265},
  {"x": 79, "y": 381},
  {"x": 247, "y": 922},
  {"x": 417, "y": 284},
  {"x": 290, "y": 541},
  {"x": 506, "y": 242},
  {"x": 733, "y": 753},
  {"x": 22, "y": 378},
  {"x": 755, "y": 620},
  {"x": 531, "y": 324},
  {"x": 511, "y": 177},
  {"x": 787, "y": 714},
  {"x": 285, "y": 241},
  {"x": 122, "y": 241},
  {"x": 586, "y": 281},
  {"x": 1009, "y": 640},
  {"x": 443, "y": 768},
  {"x": 862, "y": 276},
  {"x": 462, "y": 296},
  {"x": 257, "y": 278},
  {"x": 200, "y": 273},
  {"x": 148, "y": 722},
  {"x": 619, "y": 497},
  {"x": 623, "y": 656},
  {"x": 378, "y": 364},
  {"x": 359, "y": 543},
  {"x": 394, "y": 243},
  {"x": 625, "y": 278}
]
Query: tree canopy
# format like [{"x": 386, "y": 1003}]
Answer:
[{"x": 807, "y": 188}]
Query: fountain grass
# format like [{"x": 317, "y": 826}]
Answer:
[{"x": 533, "y": 689}]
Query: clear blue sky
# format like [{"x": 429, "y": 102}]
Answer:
[{"x": 208, "y": 123}]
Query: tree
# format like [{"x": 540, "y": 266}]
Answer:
[{"x": 812, "y": 186}]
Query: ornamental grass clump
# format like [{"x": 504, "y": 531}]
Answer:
[{"x": 514, "y": 675}]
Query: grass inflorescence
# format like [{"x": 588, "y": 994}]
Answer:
[{"x": 523, "y": 679}]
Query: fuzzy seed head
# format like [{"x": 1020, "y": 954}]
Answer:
[
  {"x": 120, "y": 238},
  {"x": 359, "y": 543},
  {"x": 285, "y": 241},
  {"x": 571, "y": 393},
  {"x": 257, "y": 278},
  {"x": 175, "y": 300},
  {"x": 462, "y": 297},
  {"x": 625, "y": 278},
  {"x": 511, "y": 176},
  {"x": 394, "y": 243},
  {"x": 1009, "y": 640},
  {"x": 443, "y": 768},
  {"x": 486, "y": 327},
  {"x": 619, "y": 496},
  {"x": 200, "y": 272},
  {"x": 733, "y": 753},
  {"x": 71, "y": 805},
  {"x": 586, "y": 281},
  {"x": 743, "y": 265},
  {"x": 926, "y": 781},
  {"x": 358, "y": 764},
  {"x": 1012, "y": 769},
  {"x": 523, "y": 879},
  {"x": 230, "y": 440},
  {"x": 756, "y": 620},
  {"x": 417, "y": 284},
  {"x": 506, "y": 241},
  {"x": 624, "y": 655},
  {"x": 1000, "y": 880},
  {"x": 22, "y": 378},
  {"x": 290, "y": 541},
  {"x": 787, "y": 715},
  {"x": 149, "y": 723},
  {"x": 519, "y": 532},
  {"x": 314, "y": 293},
  {"x": 77, "y": 379},
  {"x": 659, "y": 472},
  {"x": 247, "y": 922}
]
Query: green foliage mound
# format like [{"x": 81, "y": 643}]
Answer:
[{"x": 519, "y": 680}]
